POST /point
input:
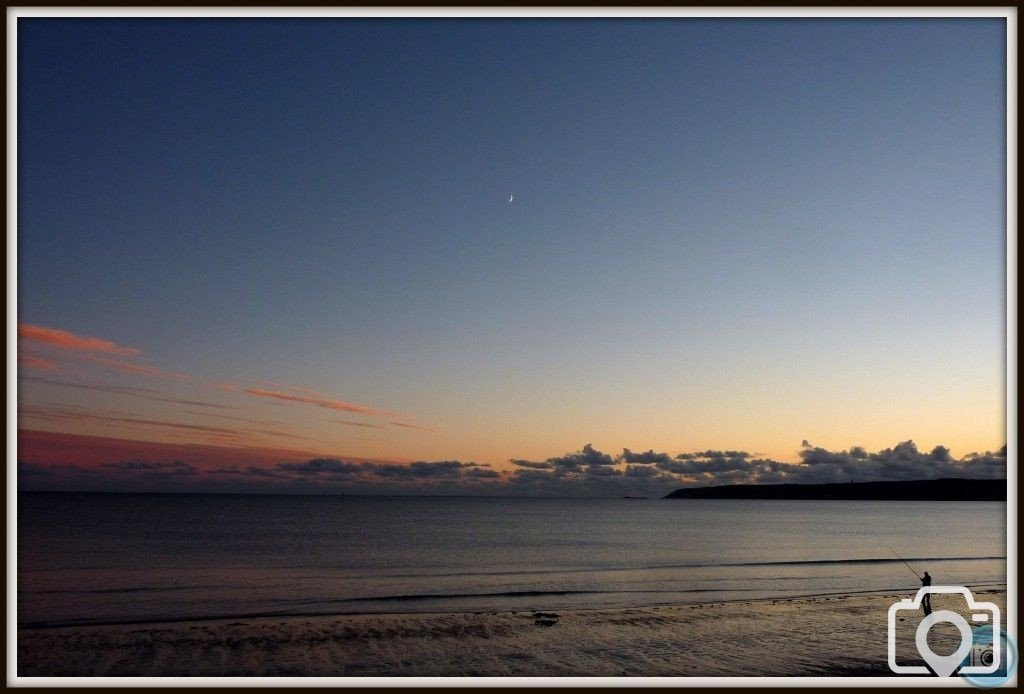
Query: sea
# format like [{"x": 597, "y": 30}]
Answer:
[{"x": 136, "y": 558}]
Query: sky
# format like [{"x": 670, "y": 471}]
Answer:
[{"x": 244, "y": 244}]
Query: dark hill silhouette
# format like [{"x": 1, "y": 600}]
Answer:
[{"x": 951, "y": 489}]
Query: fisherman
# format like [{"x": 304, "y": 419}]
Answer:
[{"x": 926, "y": 602}]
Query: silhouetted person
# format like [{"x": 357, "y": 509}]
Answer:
[{"x": 926, "y": 602}]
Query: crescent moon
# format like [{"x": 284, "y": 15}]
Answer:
[{"x": 510, "y": 197}]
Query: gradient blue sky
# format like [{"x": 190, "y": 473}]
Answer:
[{"x": 725, "y": 234}]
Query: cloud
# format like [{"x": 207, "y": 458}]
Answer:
[
  {"x": 319, "y": 466},
  {"x": 633, "y": 480},
  {"x": 414, "y": 426},
  {"x": 357, "y": 424},
  {"x": 32, "y": 361},
  {"x": 422, "y": 470},
  {"x": 62, "y": 339},
  {"x": 367, "y": 477},
  {"x": 146, "y": 393},
  {"x": 59, "y": 413},
  {"x": 134, "y": 465},
  {"x": 107, "y": 354},
  {"x": 84, "y": 348},
  {"x": 332, "y": 469},
  {"x": 642, "y": 470},
  {"x": 602, "y": 471},
  {"x": 222, "y": 434},
  {"x": 130, "y": 475},
  {"x": 320, "y": 402},
  {"x": 153, "y": 470},
  {"x": 483, "y": 473},
  {"x": 26, "y": 469},
  {"x": 194, "y": 403},
  {"x": 294, "y": 389},
  {"x": 588, "y": 458},
  {"x": 532, "y": 465},
  {"x": 236, "y": 466},
  {"x": 708, "y": 461},
  {"x": 651, "y": 473},
  {"x": 251, "y": 471},
  {"x": 586, "y": 472},
  {"x": 714, "y": 455},
  {"x": 901, "y": 462},
  {"x": 132, "y": 368},
  {"x": 644, "y": 458},
  {"x": 819, "y": 466},
  {"x": 225, "y": 416}
]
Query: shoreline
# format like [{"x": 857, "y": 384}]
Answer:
[
  {"x": 32, "y": 626},
  {"x": 831, "y": 634}
]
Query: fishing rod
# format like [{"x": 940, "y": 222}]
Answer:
[{"x": 904, "y": 561}]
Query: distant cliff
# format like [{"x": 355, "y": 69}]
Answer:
[{"x": 913, "y": 490}]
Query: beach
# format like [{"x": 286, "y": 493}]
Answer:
[
  {"x": 839, "y": 635},
  {"x": 324, "y": 586}
]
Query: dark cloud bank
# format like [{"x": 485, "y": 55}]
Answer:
[{"x": 587, "y": 472}]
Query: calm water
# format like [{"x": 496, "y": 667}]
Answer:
[{"x": 136, "y": 557}]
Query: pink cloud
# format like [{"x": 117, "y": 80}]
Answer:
[
  {"x": 320, "y": 402},
  {"x": 31, "y": 361},
  {"x": 294, "y": 389},
  {"x": 63, "y": 339},
  {"x": 133, "y": 368},
  {"x": 67, "y": 414}
]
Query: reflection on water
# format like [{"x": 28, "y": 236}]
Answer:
[{"x": 128, "y": 557}]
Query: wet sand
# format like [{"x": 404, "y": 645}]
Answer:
[{"x": 825, "y": 635}]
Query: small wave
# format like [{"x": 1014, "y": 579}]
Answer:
[
  {"x": 134, "y": 589},
  {"x": 654, "y": 567},
  {"x": 882, "y": 560},
  {"x": 292, "y": 612},
  {"x": 513, "y": 594}
]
